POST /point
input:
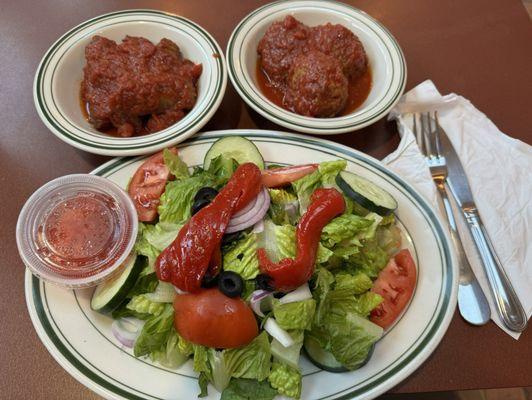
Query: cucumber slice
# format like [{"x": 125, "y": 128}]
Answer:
[
  {"x": 111, "y": 293},
  {"x": 366, "y": 193},
  {"x": 320, "y": 357},
  {"x": 237, "y": 147}
]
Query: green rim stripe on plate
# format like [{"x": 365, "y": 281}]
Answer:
[
  {"x": 435, "y": 321},
  {"x": 39, "y": 85},
  {"x": 244, "y": 92}
]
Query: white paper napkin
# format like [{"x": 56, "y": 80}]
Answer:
[{"x": 499, "y": 171}]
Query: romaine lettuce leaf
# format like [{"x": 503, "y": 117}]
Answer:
[
  {"x": 348, "y": 337},
  {"x": 241, "y": 257},
  {"x": 371, "y": 259},
  {"x": 295, "y": 315},
  {"x": 323, "y": 176},
  {"x": 143, "y": 305},
  {"x": 178, "y": 196},
  {"x": 248, "y": 389},
  {"x": 285, "y": 239},
  {"x": 161, "y": 235},
  {"x": 286, "y": 380},
  {"x": 155, "y": 333},
  {"x": 176, "y": 166},
  {"x": 358, "y": 283},
  {"x": 170, "y": 356},
  {"x": 222, "y": 168},
  {"x": 251, "y": 361},
  {"x": 344, "y": 228},
  {"x": 289, "y": 355}
]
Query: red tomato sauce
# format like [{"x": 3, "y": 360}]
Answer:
[
  {"x": 78, "y": 233},
  {"x": 358, "y": 90}
]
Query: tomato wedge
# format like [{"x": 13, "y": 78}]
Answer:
[
  {"x": 212, "y": 319},
  {"x": 147, "y": 186},
  {"x": 395, "y": 284},
  {"x": 276, "y": 177}
]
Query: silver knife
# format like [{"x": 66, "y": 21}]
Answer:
[{"x": 508, "y": 305}]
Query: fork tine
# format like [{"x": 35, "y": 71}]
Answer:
[
  {"x": 425, "y": 130},
  {"x": 437, "y": 134},
  {"x": 431, "y": 133},
  {"x": 417, "y": 133}
]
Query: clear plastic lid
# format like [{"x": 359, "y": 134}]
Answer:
[{"x": 76, "y": 230}]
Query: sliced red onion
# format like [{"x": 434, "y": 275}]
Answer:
[
  {"x": 126, "y": 330},
  {"x": 299, "y": 294},
  {"x": 256, "y": 299},
  {"x": 251, "y": 217},
  {"x": 248, "y": 207},
  {"x": 241, "y": 217},
  {"x": 258, "y": 227},
  {"x": 272, "y": 327}
]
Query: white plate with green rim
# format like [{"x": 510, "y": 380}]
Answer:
[
  {"x": 81, "y": 339},
  {"x": 58, "y": 77},
  {"x": 385, "y": 57}
]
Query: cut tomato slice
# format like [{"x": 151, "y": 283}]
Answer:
[
  {"x": 147, "y": 186},
  {"x": 395, "y": 284}
]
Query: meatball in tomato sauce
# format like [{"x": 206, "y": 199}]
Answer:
[
  {"x": 281, "y": 44},
  {"x": 319, "y": 71},
  {"x": 342, "y": 44},
  {"x": 137, "y": 87},
  {"x": 317, "y": 87}
]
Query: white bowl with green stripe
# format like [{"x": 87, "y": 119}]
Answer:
[
  {"x": 385, "y": 57},
  {"x": 58, "y": 77},
  {"x": 82, "y": 342}
]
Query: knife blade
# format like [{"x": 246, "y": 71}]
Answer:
[
  {"x": 503, "y": 294},
  {"x": 456, "y": 178}
]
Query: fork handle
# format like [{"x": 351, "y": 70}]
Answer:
[{"x": 504, "y": 296}]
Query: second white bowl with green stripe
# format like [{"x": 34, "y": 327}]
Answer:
[
  {"x": 385, "y": 57},
  {"x": 58, "y": 77}
]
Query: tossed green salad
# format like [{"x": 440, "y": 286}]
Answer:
[{"x": 359, "y": 279}]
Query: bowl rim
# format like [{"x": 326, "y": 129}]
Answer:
[
  {"x": 136, "y": 145},
  {"x": 278, "y": 115}
]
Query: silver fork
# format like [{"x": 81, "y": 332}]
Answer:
[{"x": 472, "y": 302}]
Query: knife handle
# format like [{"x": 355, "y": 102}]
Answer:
[{"x": 507, "y": 302}]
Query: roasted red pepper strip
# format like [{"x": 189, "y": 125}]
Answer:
[
  {"x": 291, "y": 273},
  {"x": 186, "y": 260}
]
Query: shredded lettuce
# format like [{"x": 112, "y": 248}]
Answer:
[
  {"x": 295, "y": 315},
  {"x": 241, "y": 257},
  {"x": 286, "y": 380}
]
